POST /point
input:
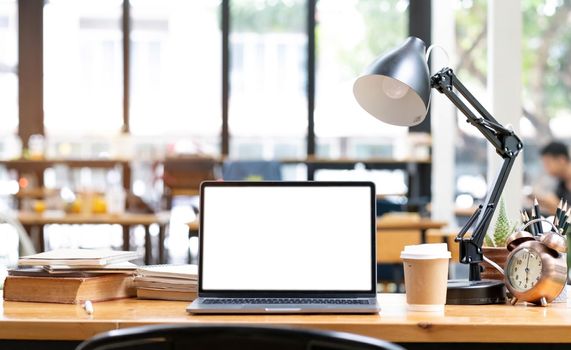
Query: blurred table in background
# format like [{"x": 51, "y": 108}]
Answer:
[
  {"x": 32, "y": 220},
  {"x": 394, "y": 231},
  {"x": 38, "y": 166}
]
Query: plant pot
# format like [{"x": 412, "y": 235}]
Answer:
[{"x": 497, "y": 255}]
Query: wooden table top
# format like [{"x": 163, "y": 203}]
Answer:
[
  {"x": 401, "y": 224},
  {"x": 47, "y": 218},
  {"x": 483, "y": 323}
]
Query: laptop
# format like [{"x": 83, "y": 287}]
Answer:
[{"x": 287, "y": 247}]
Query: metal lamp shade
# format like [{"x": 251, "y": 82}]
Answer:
[{"x": 396, "y": 88}]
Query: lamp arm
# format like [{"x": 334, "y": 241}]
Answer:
[
  {"x": 503, "y": 139},
  {"x": 507, "y": 145}
]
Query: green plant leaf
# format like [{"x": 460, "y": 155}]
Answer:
[
  {"x": 489, "y": 241},
  {"x": 503, "y": 226}
]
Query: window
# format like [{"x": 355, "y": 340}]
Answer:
[
  {"x": 349, "y": 35},
  {"x": 83, "y": 66},
  {"x": 176, "y": 65},
  {"x": 268, "y": 100},
  {"x": 546, "y": 78},
  {"x": 546, "y": 82},
  {"x": 471, "y": 68},
  {"x": 8, "y": 65}
]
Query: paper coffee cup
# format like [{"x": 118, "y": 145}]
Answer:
[{"x": 426, "y": 276}]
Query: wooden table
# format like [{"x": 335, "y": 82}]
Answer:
[
  {"x": 458, "y": 324},
  {"x": 126, "y": 220}
]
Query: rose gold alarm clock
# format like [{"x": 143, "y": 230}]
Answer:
[{"x": 536, "y": 269}]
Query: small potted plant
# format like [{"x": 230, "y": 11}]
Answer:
[{"x": 495, "y": 244}]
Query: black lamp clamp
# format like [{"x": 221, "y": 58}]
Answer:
[{"x": 507, "y": 145}]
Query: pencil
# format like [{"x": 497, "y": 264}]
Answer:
[
  {"x": 565, "y": 218},
  {"x": 536, "y": 206},
  {"x": 531, "y": 228},
  {"x": 522, "y": 215},
  {"x": 537, "y": 216},
  {"x": 565, "y": 227},
  {"x": 557, "y": 212},
  {"x": 537, "y": 225},
  {"x": 561, "y": 219}
]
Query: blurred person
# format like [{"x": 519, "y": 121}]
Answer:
[{"x": 556, "y": 162}]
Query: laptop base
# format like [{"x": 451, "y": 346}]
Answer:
[{"x": 199, "y": 307}]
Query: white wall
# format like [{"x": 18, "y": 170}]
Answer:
[{"x": 443, "y": 116}]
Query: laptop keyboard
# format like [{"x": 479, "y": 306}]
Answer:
[{"x": 335, "y": 301}]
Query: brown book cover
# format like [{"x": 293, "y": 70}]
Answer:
[
  {"x": 68, "y": 290},
  {"x": 162, "y": 294}
]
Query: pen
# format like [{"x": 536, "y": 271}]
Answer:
[{"x": 88, "y": 306}]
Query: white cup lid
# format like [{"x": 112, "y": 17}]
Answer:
[{"x": 426, "y": 251}]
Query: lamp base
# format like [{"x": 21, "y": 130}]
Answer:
[{"x": 465, "y": 292}]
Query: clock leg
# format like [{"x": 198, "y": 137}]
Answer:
[
  {"x": 513, "y": 300},
  {"x": 543, "y": 301}
]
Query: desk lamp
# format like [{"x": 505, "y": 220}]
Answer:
[{"x": 396, "y": 89}]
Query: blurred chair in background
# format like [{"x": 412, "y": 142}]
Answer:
[
  {"x": 385, "y": 206},
  {"x": 25, "y": 244},
  {"x": 252, "y": 170},
  {"x": 389, "y": 274},
  {"x": 182, "y": 176},
  {"x": 11, "y": 247}
]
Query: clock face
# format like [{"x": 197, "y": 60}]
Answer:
[{"x": 524, "y": 269}]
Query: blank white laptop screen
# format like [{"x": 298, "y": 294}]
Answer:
[{"x": 301, "y": 238}]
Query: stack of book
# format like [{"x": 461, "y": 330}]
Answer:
[
  {"x": 72, "y": 276},
  {"x": 167, "y": 282}
]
